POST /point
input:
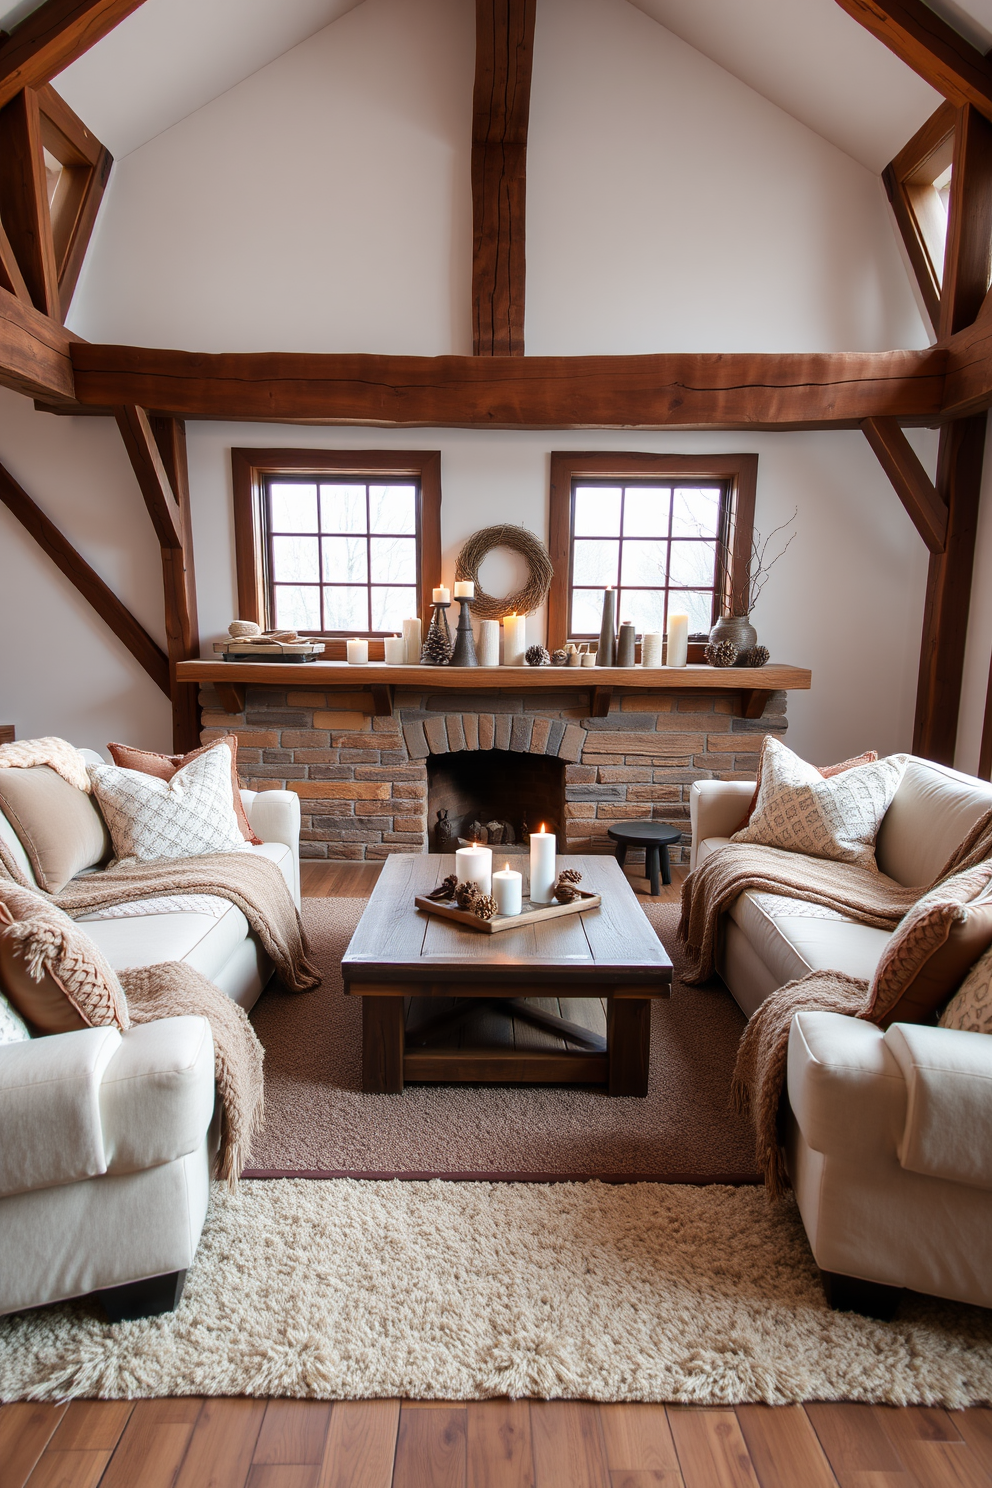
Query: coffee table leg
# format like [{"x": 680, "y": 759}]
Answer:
[
  {"x": 382, "y": 1045},
  {"x": 628, "y": 1041}
]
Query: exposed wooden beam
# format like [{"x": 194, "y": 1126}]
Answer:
[
  {"x": 11, "y": 277},
  {"x": 504, "y": 50},
  {"x": 679, "y": 391},
  {"x": 86, "y": 166},
  {"x": 24, "y": 200},
  {"x": 153, "y": 479},
  {"x": 179, "y": 583},
  {"x": 919, "y": 213},
  {"x": 52, "y": 36},
  {"x": 912, "y": 485},
  {"x": 120, "y": 620},
  {"x": 34, "y": 352},
  {"x": 929, "y": 46},
  {"x": 968, "y": 384},
  {"x": 968, "y": 255}
]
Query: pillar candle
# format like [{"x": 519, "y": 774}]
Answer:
[
  {"x": 358, "y": 652},
  {"x": 543, "y": 872},
  {"x": 625, "y": 645},
  {"x": 475, "y": 865},
  {"x": 514, "y": 640},
  {"x": 487, "y": 649},
  {"x": 588, "y": 658},
  {"x": 678, "y": 640},
  {"x": 412, "y": 640},
  {"x": 442, "y": 595},
  {"x": 508, "y": 891},
  {"x": 395, "y": 650},
  {"x": 651, "y": 649},
  {"x": 464, "y": 589}
]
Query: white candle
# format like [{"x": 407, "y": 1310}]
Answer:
[
  {"x": 514, "y": 640},
  {"x": 651, "y": 649},
  {"x": 588, "y": 658},
  {"x": 464, "y": 589},
  {"x": 487, "y": 649},
  {"x": 543, "y": 873},
  {"x": 358, "y": 652},
  {"x": 475, "y": 865},
  {"x": 394, "y": 648},
  {"x": 442, "y": 595},
  {"x": 508, "y": 891},
  {"x": 678, "y": 640},
  {"x": 412, "y": 641}
]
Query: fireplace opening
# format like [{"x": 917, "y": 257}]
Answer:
[{"x": 495, "y": 796}]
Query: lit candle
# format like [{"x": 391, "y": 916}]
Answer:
[
  {"x": 412, "y": 641},
  {"x": 514, "y": 640},
  {"x": 488, "y": 648},
  {"x": 395, "y": 650},
  {"x": 508, "y": 887},
  {"x": 464, "y": 589},
  {"x": 651, "y": 649},
  {"x": 358, "y": 652},
  {"x": 543, "y": 873},
  {"x": 475, "y": 865},
  {"x": 678, "y": 640},
  {"x": 442, "y": 595}
]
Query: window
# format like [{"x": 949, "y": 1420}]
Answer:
[
  {"x": 670, "y": 533},
  {"x": 336, "y": 544},
  {"x": 918, "y": 183}
]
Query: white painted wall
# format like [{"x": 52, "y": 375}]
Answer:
[{"x": 669, "y": 207}]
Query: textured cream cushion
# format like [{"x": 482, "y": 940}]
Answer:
[
  {"x": 190, "y": 814},
  {"x": 932, "y": 812},
  {"x": 838, "y": 818},
  {"x": 970, "y": 1009},
  {"x": 59, "y": 826}
]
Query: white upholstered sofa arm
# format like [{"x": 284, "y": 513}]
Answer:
[
  {"x": 716, "y": 809},
  {"x": 948, "y": 1128},
  {"x": 846, "y": 1088},
  {"x": 275, "y": 817}
]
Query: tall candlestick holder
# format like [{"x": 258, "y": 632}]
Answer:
[
  {"x": 437, "y": 642},
  {"x": 464, "y": 652}
]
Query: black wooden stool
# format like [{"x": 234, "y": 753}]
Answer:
[{"x": 655, "y": 838}]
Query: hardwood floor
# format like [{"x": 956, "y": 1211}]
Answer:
[{"x": 225, "y": 1443}]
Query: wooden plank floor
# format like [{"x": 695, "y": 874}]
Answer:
[{"x": 224, "y": 1443}]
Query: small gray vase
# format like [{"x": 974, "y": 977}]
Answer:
[{"x": 735, "y": 628}]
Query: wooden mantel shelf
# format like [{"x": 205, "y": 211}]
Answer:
[{"x": 752, "y": 684}]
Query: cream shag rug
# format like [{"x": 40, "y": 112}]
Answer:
[{"x": 462, "y": 1291}]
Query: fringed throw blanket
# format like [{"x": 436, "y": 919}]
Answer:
[{"x": 58, "y": 754}]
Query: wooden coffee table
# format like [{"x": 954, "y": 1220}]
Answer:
[{"x": 400, "y": 953}]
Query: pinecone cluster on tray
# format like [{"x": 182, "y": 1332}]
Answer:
[
  {"x": 537, "y": 656},
  {"x": 721, "y": 653},
  {"x": 484, "y": 907},
  {"x": 446, "y": 890}
]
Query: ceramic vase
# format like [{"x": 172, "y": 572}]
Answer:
[{"x": 735, "y": 628}]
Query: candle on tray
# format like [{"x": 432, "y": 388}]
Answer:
[
  {"x": 543, "y": 873},
  {"x": 488, "y": 647},
  {"x": 651, "y": 649},
  {"x": 514, "y": 640},
  {"x": 442, "y": 594},
  {"x": 412, "y": 640},
  {"x": 475, "y": 865},
  {"x": 508, "y": 888},
  {"x": 394, "y": 648},
  {"x": 358, "y": 652},
  {"x": 464, "y": 589},
  {"x": 678, "y": 640}
]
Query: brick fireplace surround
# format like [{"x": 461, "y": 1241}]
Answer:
[{"x": 362, "y": 780}]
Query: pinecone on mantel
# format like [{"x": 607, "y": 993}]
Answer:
[
  {"x": 721, "y": 653},
  {"x": 436, "y": 650},
  {"x": 537, "y": 656}
]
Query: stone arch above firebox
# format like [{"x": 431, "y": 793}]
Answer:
[{"x": 521, "y": 733}]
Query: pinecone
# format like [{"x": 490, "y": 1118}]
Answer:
[
  {"x": 565, "y": 889},
  {"x": 436, "y": 650},
  {"x": 559, "y": 657},
  {"x": 570, "y": 875},
  {"x": 721, "y": 654},
  {"x": 466, "y": 895},
  {"x": 537, "y": 656},
  {"x": 565, "y": 893},
  {"x": 484, "y": 907},
  {"x": 757, "y": 656},
  {"x": 447, "y": 889}
]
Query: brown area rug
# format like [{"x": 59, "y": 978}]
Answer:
[{"x": 320, "y": 1124}]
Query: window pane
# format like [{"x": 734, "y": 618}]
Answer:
[
  {"x": 294, "y": 508},
  {"x": 645, "y": 511},
  {"x": 693, "y": 563},
  {"x": 696, "y": 511},
  {"x": 645, "y": 607},
  {"x": 296, "y": 608},
  {"x": 295, "y": 558},
  {"x": 595, "y": 562},
  {"x": 342, "y": 508},
  {"x": 392, "y": 509},
  {"x": 345, "y": 560},
  {"x": 587, "y": 611},
  {"x": 696, "y": 603},
  {"x": 597, "y": 511},
  {"x": 394, "y": 560},
  {"x": 346, "y": 608},
  {"x": 390, "y": 607},
  {"x": 644, "y": 562}
]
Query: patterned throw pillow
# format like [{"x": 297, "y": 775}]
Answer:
[
  {"x": 827, "y": 771},
  {"x": 55, "y": 976},
  {"x": 190, "y": 814},
  {"x": 971, "y": 1006},
  {"x": 13, "y": 1029},
  {"x": 800, "y": 811},
  {"x": 164, "y": 766}
]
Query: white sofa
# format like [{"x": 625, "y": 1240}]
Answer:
[
  {"x": 889, "y": 1134},
  {"x": 107, "y": 1140}
]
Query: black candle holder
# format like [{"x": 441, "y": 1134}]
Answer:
[
  {"x": 464, "y": 652},
  {"x": 436, "y": 650}
]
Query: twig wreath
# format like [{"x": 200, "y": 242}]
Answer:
[{"x": 534, "y": 592}]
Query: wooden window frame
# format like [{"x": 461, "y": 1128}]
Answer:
[
  {"x": 738, "y": 472},
  {"x": 250, "y": 469},
  {"x": 909, "y": 185}
]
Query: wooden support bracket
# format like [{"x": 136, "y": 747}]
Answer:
[
  {"x": 232, "y": 696},
  {"x": 910, "y": 481},
  {"x": 382, "y": 700},
  {"x": 753, "y": 700},
  {"x": 599, "y": 702}
]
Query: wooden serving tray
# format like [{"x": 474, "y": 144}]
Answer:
[{"x": 532, "y": 916}]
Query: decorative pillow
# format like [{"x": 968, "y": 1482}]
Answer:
[
  {"x": 837, "y": 818},
  {"x": 13, "y": 1029},
  {"x": 933, "y": 946},
  {"x": 52, "y": 973},
  {"x": 179, "y": 818},
  {"x": 164, "y": 766},
  {"x": 59, "y": 826},
  {"x": 971, "y": 1006},
  {"x": 827, "y": 771}
]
